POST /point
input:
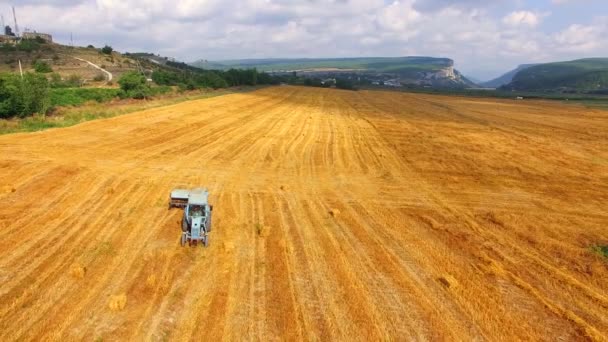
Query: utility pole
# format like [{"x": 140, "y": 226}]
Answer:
[
  {"x": 3, "y": 25},
  {"x": 20, "y": 70},
  {"x": 71, "y": 40},
  {"x": 15, "y": 19}
]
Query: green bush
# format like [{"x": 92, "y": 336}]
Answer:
[
  {"x": 73, "y": 81},
  {"x": 28, "y": 45},
  {"x": 600, "y": 250},
  {"x": 78, "y": 96},
  {"x": 22, "y": 96},
  {"x": 160, "y": 90},
  {"x": 107, "y": 50},
  {"x": 134, "y": 85},
  {"x": 42, "y": 67}
]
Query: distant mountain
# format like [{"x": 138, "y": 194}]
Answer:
[
  {"x": 582, "y": 75},
  {"x": 405, "y": 70},
  {"x": 210, "y": 65},
  {"x": 506, "y": 78},
  {"x": 474, "y": 80},
  {"x": 384, "y": 64}
]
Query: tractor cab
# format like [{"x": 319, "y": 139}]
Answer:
[
  {"x": 196, "y": 221},
  {"x": 195, "y": 210}
]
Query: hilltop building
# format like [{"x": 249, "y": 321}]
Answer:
[{"x": 33, "y": 35}]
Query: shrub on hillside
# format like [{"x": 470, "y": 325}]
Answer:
[
  {"x": 160, "y": 90},
  {"x": 134, "y": 85},
  {"x": 42, "y": 67},
  {"x": 22, "y": 96},
  {"x": 73, "y": 81},
  {"x": 107, "y": 50},
  {"x": 28, "y": 45},
  {"x": 78, "y": 96}
]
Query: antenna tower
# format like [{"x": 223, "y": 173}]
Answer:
[{"x": 15, "y": 19}]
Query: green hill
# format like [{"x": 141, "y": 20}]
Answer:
[
  {"x": 506, "y": 78},
  {"x": 379, "y": 64},
  {"x": 583, "y": 75}
]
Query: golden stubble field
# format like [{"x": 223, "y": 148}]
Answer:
[{"x": 338, "y": 215}]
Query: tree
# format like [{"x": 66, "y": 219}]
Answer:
[
  {"x": 134, "y": 85},
  {"x": 90, "y": 46},
  {"x": 107, "y": 50}
]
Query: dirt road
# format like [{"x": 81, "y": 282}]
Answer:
[
  {"x": 108, "y": 74},
  {"x": 342, "y": 215}
]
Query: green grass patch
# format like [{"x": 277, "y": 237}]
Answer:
[
  {"x": 160, "y": 90},
  {"x": 77, "y": 96},
  {"x": 600, "y": 250}
]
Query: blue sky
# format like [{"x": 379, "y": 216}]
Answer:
[{"x": 485, "y": 37}]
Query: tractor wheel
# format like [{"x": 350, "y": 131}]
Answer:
[{"x": 184, "y": 225}]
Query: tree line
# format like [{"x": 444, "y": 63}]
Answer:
[{"x": 188, "y": 77}]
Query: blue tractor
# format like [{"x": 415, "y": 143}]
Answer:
[{"x": 196, "y": 222}]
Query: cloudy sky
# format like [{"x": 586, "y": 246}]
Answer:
[{"x": 484, "y": 37}]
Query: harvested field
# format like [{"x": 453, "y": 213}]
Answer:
[{"x": 338, "y": 215}]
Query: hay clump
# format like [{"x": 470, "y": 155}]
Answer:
[
  {"x": 118, "y": 302},
  {"x": 78, "y": 271},
  {"x": 261, "y": 230},
  {"x": 151, "y": 280},
  {"x": 334, "y": 212},
  {"x": 227, "y": 246},
  {"x": 448, "y": 281}
]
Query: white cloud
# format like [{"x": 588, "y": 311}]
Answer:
[
  {"x": 478, "y": 34},
  {"x": 583, "y": 38},
  {"x": 522, "y": 18}
]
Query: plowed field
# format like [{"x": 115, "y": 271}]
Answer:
[{"x": 337, "y": 215}]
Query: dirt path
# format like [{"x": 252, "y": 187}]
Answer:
[
  {"x": 108, "y": 74},
  {"x": 338, "y": 215}
]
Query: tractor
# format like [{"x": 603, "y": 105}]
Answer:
[{"x": 196, "y": 221}]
